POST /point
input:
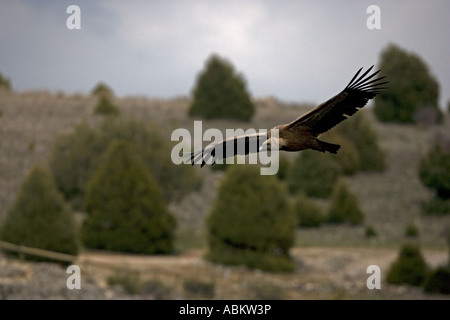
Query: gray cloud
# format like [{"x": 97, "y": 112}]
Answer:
[{"x": 295, "y": 50}]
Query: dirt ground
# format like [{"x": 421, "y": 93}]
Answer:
[{"x": 321, "y": 273}]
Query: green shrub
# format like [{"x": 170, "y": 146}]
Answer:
[
  {"x": 250, "y": 222},
  {"x": 102, "y": 90},
  {"x": 106, "y": 107},
  {"x": 438, "y": 281},
  {"x": 446, "y": 234},
  {"x": 155, "y": 149},
  {"x": 370, "y": 232},
  {"x": 220, "y": 92},
  {"x": 409, "y": 267},
  {"x": 39, "y": 217},
  {"x": 126, "y": 209},
  {"x": 434, "y": 170},
  {"x": 348, "y": 156},
  {"x": 411, "y": 87},
  {"x": 309, "y": 214},
  {"x": 5, "y": 83},
  {"x": 283, "y": 167},
  {"x": 359, "y": 131},
  {"x": 76, "y": 156},
  {"x": 222, "y": 166},
  {"x": 411, "y": 231},
  {"x": 344, "y": 205},
  {"x": 276, "y": 261},
  {"x": 73, "y": 161},
  {"x": 313, "y": 173},
  {"x": 219, "y": 167}
]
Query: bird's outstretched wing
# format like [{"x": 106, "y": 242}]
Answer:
[
  {"x": 355, "y": 96},
  {"x": 230, "y": 147}
]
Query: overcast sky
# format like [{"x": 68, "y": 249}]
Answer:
[{"x": 297, "y": 51}]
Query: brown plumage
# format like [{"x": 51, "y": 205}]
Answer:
[{"x": 303, "y": 132}]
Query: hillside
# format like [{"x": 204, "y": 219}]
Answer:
[{"x": 30, "y": 122}]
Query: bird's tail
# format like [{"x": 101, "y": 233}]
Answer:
[{"x": 326, "y": 147}]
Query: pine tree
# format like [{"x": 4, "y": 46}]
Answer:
[
  {"x": 39, "y": 217},
  {"x": 251, "y": 222},
  {"x": 409, "y": 267},
  {"x": 344, "y": 205},
  {"x": 348, "y": 156},
  {"x": 126, "y": 209},
  {"x": 220, "y": 92},
  {"x": 106, "y": 107},
  {"x": 411, "y": 87},
  {"x": 309, "y": 214},
  {"x": 5, "y": 83},
  {"x": 434, "y": 172},
  {"x": 283, "y": 167},
  {"x": 102, "y": 90},
  {"x": 313, "y": 173},
  {"x": 73, "y": 161},
  {"x": 438, "y": 281},
  {"x": 360, "y": 132},
  {"x": 77, "y": 155}
]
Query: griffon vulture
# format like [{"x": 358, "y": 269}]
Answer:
[{"x": 303, "y": 132}]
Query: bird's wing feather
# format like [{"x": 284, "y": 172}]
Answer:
[
  {"x": 230, "y": 147},
  {"x": 355, "y": 96}
]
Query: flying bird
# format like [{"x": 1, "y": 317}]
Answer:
[{"x": 303, "y": 132}]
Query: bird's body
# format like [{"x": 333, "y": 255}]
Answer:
[
  {"x": 303, "y": 132},
  {"x": 296, "y": 139}
]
